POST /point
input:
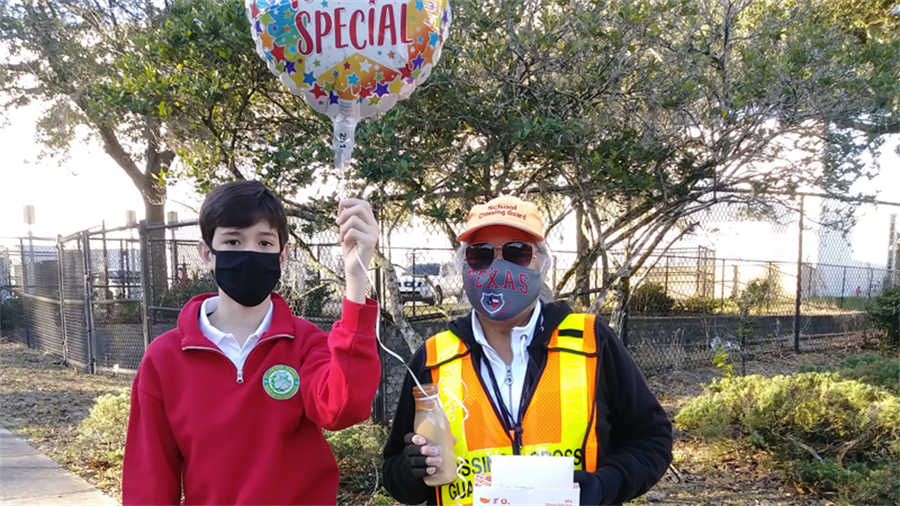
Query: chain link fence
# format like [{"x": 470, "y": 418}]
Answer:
[{"x": 737, "y": 285}]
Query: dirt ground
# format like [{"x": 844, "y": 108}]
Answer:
[{"x": 45, "y": 402}]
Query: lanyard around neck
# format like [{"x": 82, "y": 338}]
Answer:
[{"x": 508, "y": 420}]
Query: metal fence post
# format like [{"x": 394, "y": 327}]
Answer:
[
  {"x": 105, "y": 261},
  {"x": 88, "y": 296},
  {"x": 799, "y": 282},
  {"x": 174, "y": 258},
  {"x": 891, "y": 245},
  {"x": 379, "y": 410},
  {"x": 697, "y": 281},
  {"x": 897, "y": 259},
  {"x": 667, "y": 275},
  {"x": 60, "y": 267},
  {"x": 126, "y": 288},
  {"x": 843, "y": 287},
  {"x": 145, "y": 281},
  {"x": 379, "y": 404},
  {"x": 25, "y": 293},
  {"x": 723, "y": 286},
  {"x": 869, "y": 292}
]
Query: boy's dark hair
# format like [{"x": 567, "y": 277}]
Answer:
[{"x": 240, "y": 204}]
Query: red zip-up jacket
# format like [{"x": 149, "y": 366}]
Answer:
[{"x": 196, "y": 424}]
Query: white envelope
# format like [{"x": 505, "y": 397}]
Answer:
[{"x": 519, "y": 471}]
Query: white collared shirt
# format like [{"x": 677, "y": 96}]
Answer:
[
  {"x": 510, "y": 378},
  {"x": 226, "y": 342}
]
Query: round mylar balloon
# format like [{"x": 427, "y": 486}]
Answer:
[{"x": 350, "y": 59}]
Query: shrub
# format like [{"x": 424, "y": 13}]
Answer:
[
  {"x": 178, "y": 296},
  {"x": 762, "y": 290},
  {"x": 358, "y": 453},
  {"x": 705, "y": 416},
  {"x": 128, "y": 312},
  {"x": 107, "y": 422},
  {"x": 847, "y": 423},
  {"x": 868, "y": 368},
  {"x": 884, "y": 313},
  {"x": 651, "y": 298},
  {"x": 856, "y": 483},
  {"x": 697, "y": 303}
]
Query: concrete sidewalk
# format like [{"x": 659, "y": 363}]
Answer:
[{"x": 29, "y": 478}]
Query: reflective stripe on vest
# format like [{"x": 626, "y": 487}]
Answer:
[{"x": 559, "y": 419}]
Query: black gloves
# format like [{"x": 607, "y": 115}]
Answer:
[
  {"x": 591, "y": 488},
  {"x": 414, "y": 457}
]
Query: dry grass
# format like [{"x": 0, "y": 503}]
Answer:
[{"x": 45, "y": 402}]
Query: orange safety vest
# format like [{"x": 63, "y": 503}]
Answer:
[{"x": 560, "y": 419}]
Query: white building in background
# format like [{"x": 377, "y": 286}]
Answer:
[
  {"x": 836, "y": 262},
  {"x": 849, "y": 263}
]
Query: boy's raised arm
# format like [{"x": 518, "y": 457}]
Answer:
[{"x": 341, "y": 371}]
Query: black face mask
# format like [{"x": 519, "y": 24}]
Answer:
[{"x": 248, "y": 277}]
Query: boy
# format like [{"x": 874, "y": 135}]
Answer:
[{"x": 229, "y": 407}]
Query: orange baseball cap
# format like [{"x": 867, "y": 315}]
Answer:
[{"x": 509, "y": 211}]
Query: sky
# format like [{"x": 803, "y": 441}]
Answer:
[
  {"x": 89, "y": 187},
  {"x": 78, "y": 194}
]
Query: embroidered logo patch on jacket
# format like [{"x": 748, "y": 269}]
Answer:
[{"x": 281, "y": 382}]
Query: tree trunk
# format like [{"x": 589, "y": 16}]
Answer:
[
  {"x": 154, "y": 196},
  {"x": 155, "y": 215},
  {"x": 583, "y": 274},
  {"x": 619, "y": 317},
  {"x": 394, "y": 304}
]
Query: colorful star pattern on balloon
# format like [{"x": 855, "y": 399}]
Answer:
[{"x": 350, "y": 63}]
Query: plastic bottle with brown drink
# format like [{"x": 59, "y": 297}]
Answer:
[{"x": 431, "y": 423}]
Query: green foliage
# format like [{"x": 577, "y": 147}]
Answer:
[
  {"x": 722, "y": 361},
  {"x": 868, "y": 368},
  {"x": 311, "y": 302},
  {"x": 832, "y": 302},
  {"x": 358, "y": 453},
  {"x": 603, "y": 97},
  {"x": 382, "y": 498},
  {"x": 706, "y": 417},
  {"x": 762, "y": 290},
  {"x": 107, "y": 422},
  {"x": 61, "y": 55},
  {"x": 128, "y": 312},
  {"x": 198, "y": 284},
  {"x": 651, "y": 298},
  {"x": 872, "y": 369},
  {"x": 856, "y": 483},
  {"x": 12, "y": 314},
  {"x": 847, "y": 423},
  {"x": 697, "y": 303},
  {"x": 198, "y": 71},
  {"x": 885, "y": 314}
]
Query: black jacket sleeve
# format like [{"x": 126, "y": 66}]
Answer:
[
  {"x": 637, "y": 450},
  {"x": 398, "y": 478}
]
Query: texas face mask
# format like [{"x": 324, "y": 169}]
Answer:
[
  {"x": 503, "y": 290},
  {"x": 248, "y": 277}
]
